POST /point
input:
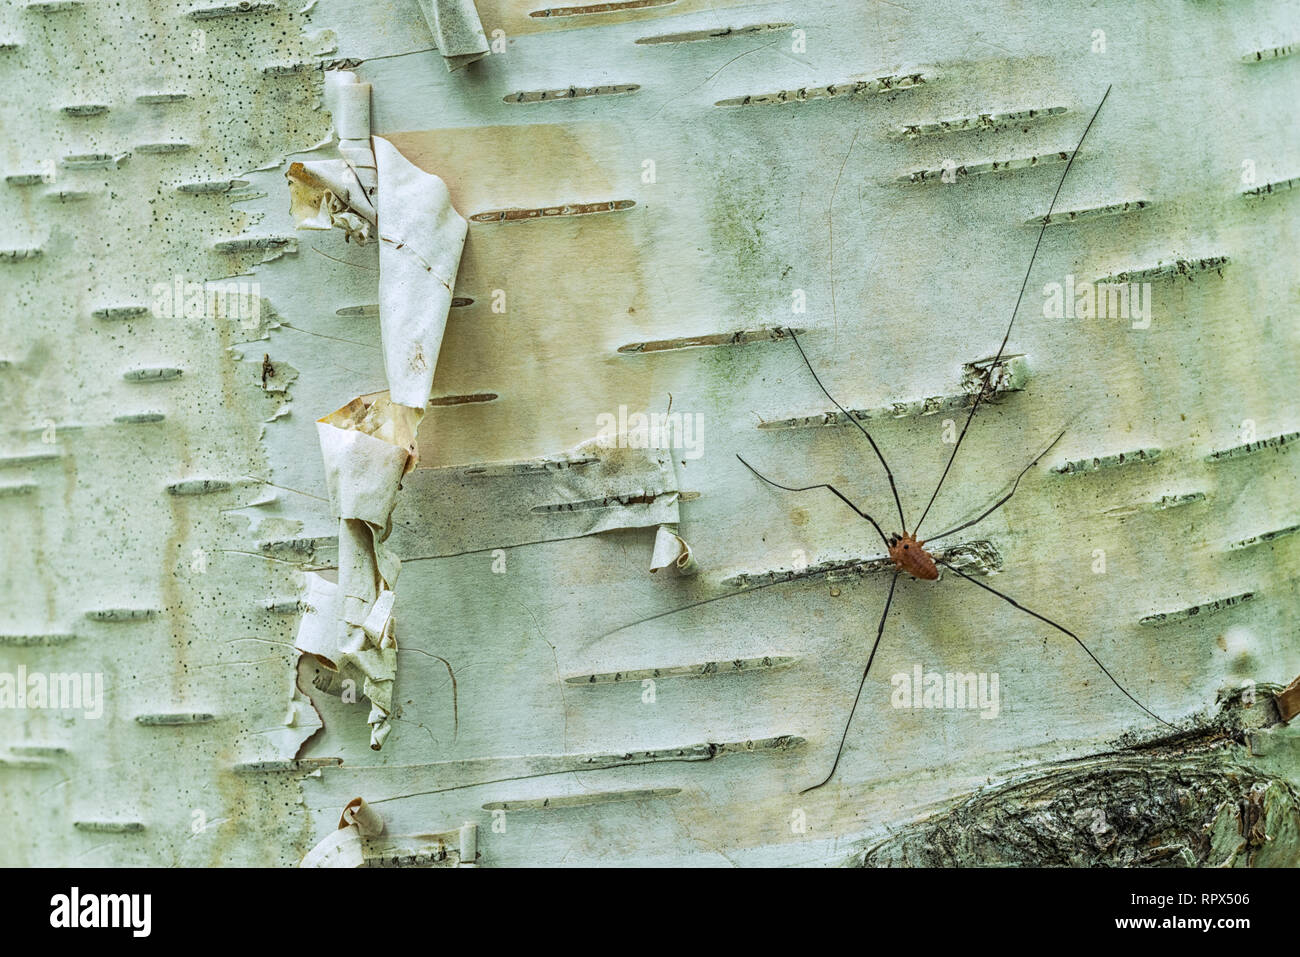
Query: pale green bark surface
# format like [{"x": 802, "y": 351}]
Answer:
[{"x": 750, "y": 209}]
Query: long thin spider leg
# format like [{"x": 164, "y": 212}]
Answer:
[
  {"x": 893, "y": 488},
  {"x": 695, "y": 604},
  {"x": 809, "y": 488},
  {"x": 1067, "y": 631},
  {"x": 861, "y": 684},
  {"x": 1004, "y": 499},
  {"x": 979, "y": 396}
]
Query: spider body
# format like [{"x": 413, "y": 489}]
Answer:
[{"x": 910, "y": 556}]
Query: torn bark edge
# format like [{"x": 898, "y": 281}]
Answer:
[
  {"x": 355, "y": 842},
  {"x": 301, "y": 751},
  {"x": 342, "y": 847},
  {"x": 671, "y": 551},
  {"x": 468, "y": 845},
  {"x": 1288, "y": 700},
  {"x": 367, "y": 447},
  {"x": 317, "y": 203},
  {"x": 370, "y": 444},
  {"x": 327, "y": 193},
  {"x": 457, "y": 30}
]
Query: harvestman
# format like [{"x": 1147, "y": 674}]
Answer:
[{"x": 907, "y": 550}]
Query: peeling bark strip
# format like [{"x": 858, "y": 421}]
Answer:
[
  {"x": 978, "y": 121},
  {"x": 1287, "y": 701},
  {"x": 1272, "y": 442},
  {"x": 616, "y": 6},
  {"x": 1204, "y": 608},
  {"x": 569, "y": 93},
  {"x": 1091, "y": 212},
  {"x": 1179, "y": 267},
  {"x": 550, "y": 212},
  {"x": 1097, "y": 463},
  {"x": 883, "y": 84},
  {"x": 457, "y": 31},
  {"x": 369, "y": 444},
  {"x": 705, "y": 670},
  {"x": 952, "y": 173},
  {"x": 717, "y": 33},
  {"x": 741, "y": 338}
]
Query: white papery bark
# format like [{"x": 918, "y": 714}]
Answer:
[{"x": 164, "y": 494}]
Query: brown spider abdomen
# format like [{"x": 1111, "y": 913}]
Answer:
[{"x": 907, "y": 553}]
